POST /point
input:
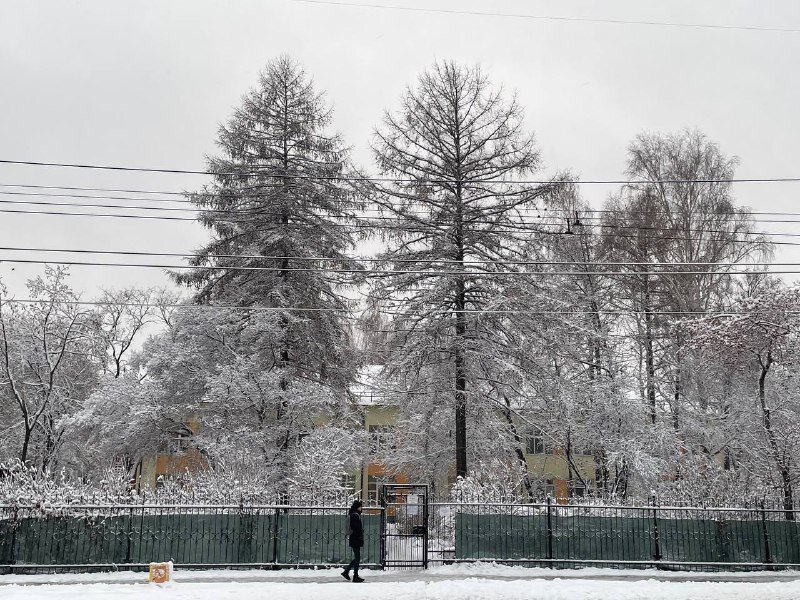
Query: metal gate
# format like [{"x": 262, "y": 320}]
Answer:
[{"x": 404, "y": 539}]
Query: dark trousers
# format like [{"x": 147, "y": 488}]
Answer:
[{"x": 356, "y": 560}]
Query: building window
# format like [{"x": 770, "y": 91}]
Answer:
[
  {"x": 178, "y": 444},
  {"x": 381, "y": 439},
  {"x": 374, "y": 482},
  {"x": 583, "y": 450},
  {"x": 349, "y": 482},
  {"x": 577, "y": 490},
  {"x": 535, "y": 442}
]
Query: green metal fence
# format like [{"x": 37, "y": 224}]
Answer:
[
  {"x": 101, "y": 537},
  {"x": 681, "y": 537},
  {"x": 95, "y": 537}
]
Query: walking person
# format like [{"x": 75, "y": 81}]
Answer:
[{"x": 355, "y": 531}]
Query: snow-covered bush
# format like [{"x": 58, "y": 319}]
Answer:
[
  {"x": 320, "y": 464},
  {"x": 490, "y": 482}
]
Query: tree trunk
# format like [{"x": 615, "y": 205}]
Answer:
[
  {"x": 648, "y": 348},
  {"x": 460, "y": 341},
  {"x": 26, "y": 443},
  {"x": 526, "y": 478},
  {"x": 766, "y": 420},
  {"x": 461, "y": 385}
]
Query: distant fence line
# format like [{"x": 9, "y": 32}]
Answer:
[{"x": 92, "y": 537}]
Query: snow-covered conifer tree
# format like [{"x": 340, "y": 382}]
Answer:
[
  {"x": 453, "y": 148},
  {"x": 275, "y": 211}
]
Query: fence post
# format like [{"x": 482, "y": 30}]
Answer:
[
  {"x": 12, "y": 555},
  {"x": 130, "y": 535},
  {"x": 549, "y": 534},
  {"x": 383, "y": 531},
  {"x": 275, "y": 538},
  {"x": 767, "y": 555},
  {"x": 426, "y": 518},
  {"x": 656, "y": 533}
]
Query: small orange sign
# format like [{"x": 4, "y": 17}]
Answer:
[{"x": 160, "y": 572}]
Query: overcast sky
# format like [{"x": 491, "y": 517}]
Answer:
[{"x": 147, "y": 83}]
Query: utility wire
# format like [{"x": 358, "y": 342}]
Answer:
[
  {"x": 398, "y": 224},
  {"x": 384, "y": 272},
  {"x": 382, "y": 260},
  {"x": 90, "y": 189},
  {"x": 524, "y": 212},
  {"x": 526, "y": 16},
  {"x": 256, "y": 308},
  {"x": 570, "y": 213},
  {"x": 353, "y": 178},
  {"x": 376, "y": 226}
]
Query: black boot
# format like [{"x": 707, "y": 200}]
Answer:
[
  {"x": 356, "y": 578},
  {"x": 346, "y": 574}
]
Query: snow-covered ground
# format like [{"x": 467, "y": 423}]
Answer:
[{"x": 457, "y": 582}]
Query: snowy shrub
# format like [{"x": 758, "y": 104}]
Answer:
[
  {"x": 491, "y": 482},
  {"x": 320, "y": 464}
]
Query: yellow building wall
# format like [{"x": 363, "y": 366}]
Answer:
[{"x": 380, "y": 416}]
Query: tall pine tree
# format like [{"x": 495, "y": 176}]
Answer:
[{"x": 276, "y": 206}]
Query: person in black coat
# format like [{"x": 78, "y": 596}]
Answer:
[{"x": 355, "y": 529}]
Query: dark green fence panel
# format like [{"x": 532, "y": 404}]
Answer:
[
  {"x": 321, "y": 539},
  {"x": 500, "y": 536},
  {"x": 202, "y": 539},
  {"x": 636, "y": 537},
  {"x": 739, "y": 542},
  {"x": 58, "y": 540},
  {"x": 228, "y": 536},
  {"x": 689, "y": 540},
  {"x": 603, "y": 538},
  {"x": 513, "y": 537},
  {"x": 784, "y": 541},
  {"x": 6, "y": 538}
]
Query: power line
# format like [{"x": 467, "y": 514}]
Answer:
[
  {"x": 543, "y": 209},
  {"x": 383, "y": 260},
  {"x": 524, "y": 212},
  {"x": 105, "y": 215},
  {"x": 89, "y": 189},
  {"x": 96, "y": 197},
  {"x": 400, "y": 225},
  {"x": 363, "y": 217},
  {"x": 119, "y": 206},
  {"x": 526, "y": 16},
  {"x": 383, "y": 272},
  {"x": 257, "y": 308},
  {"x": 354, "y": 178},
  {"x": 500, "y": 230}
]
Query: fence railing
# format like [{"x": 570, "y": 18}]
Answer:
[
  {"x": 605, "y": 535},
  {"x": 98, "y": 537},
  {"x": 546, "y": 534}
]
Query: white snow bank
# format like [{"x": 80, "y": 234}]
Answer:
[
  {"x": 480, "y": 570},
  {"x": 469, "y": 589},
  {"x": 490, "y": 569}
]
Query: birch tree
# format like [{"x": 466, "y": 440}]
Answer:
[
  {"x": 760, "y": 344},
  {"x": 47, "y": 365},
  {"x": 677, "y": 222}
]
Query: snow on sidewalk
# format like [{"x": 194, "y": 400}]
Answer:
[
  {"x": 456, "y": 582},
  {"x": 462, "y": 589}
]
